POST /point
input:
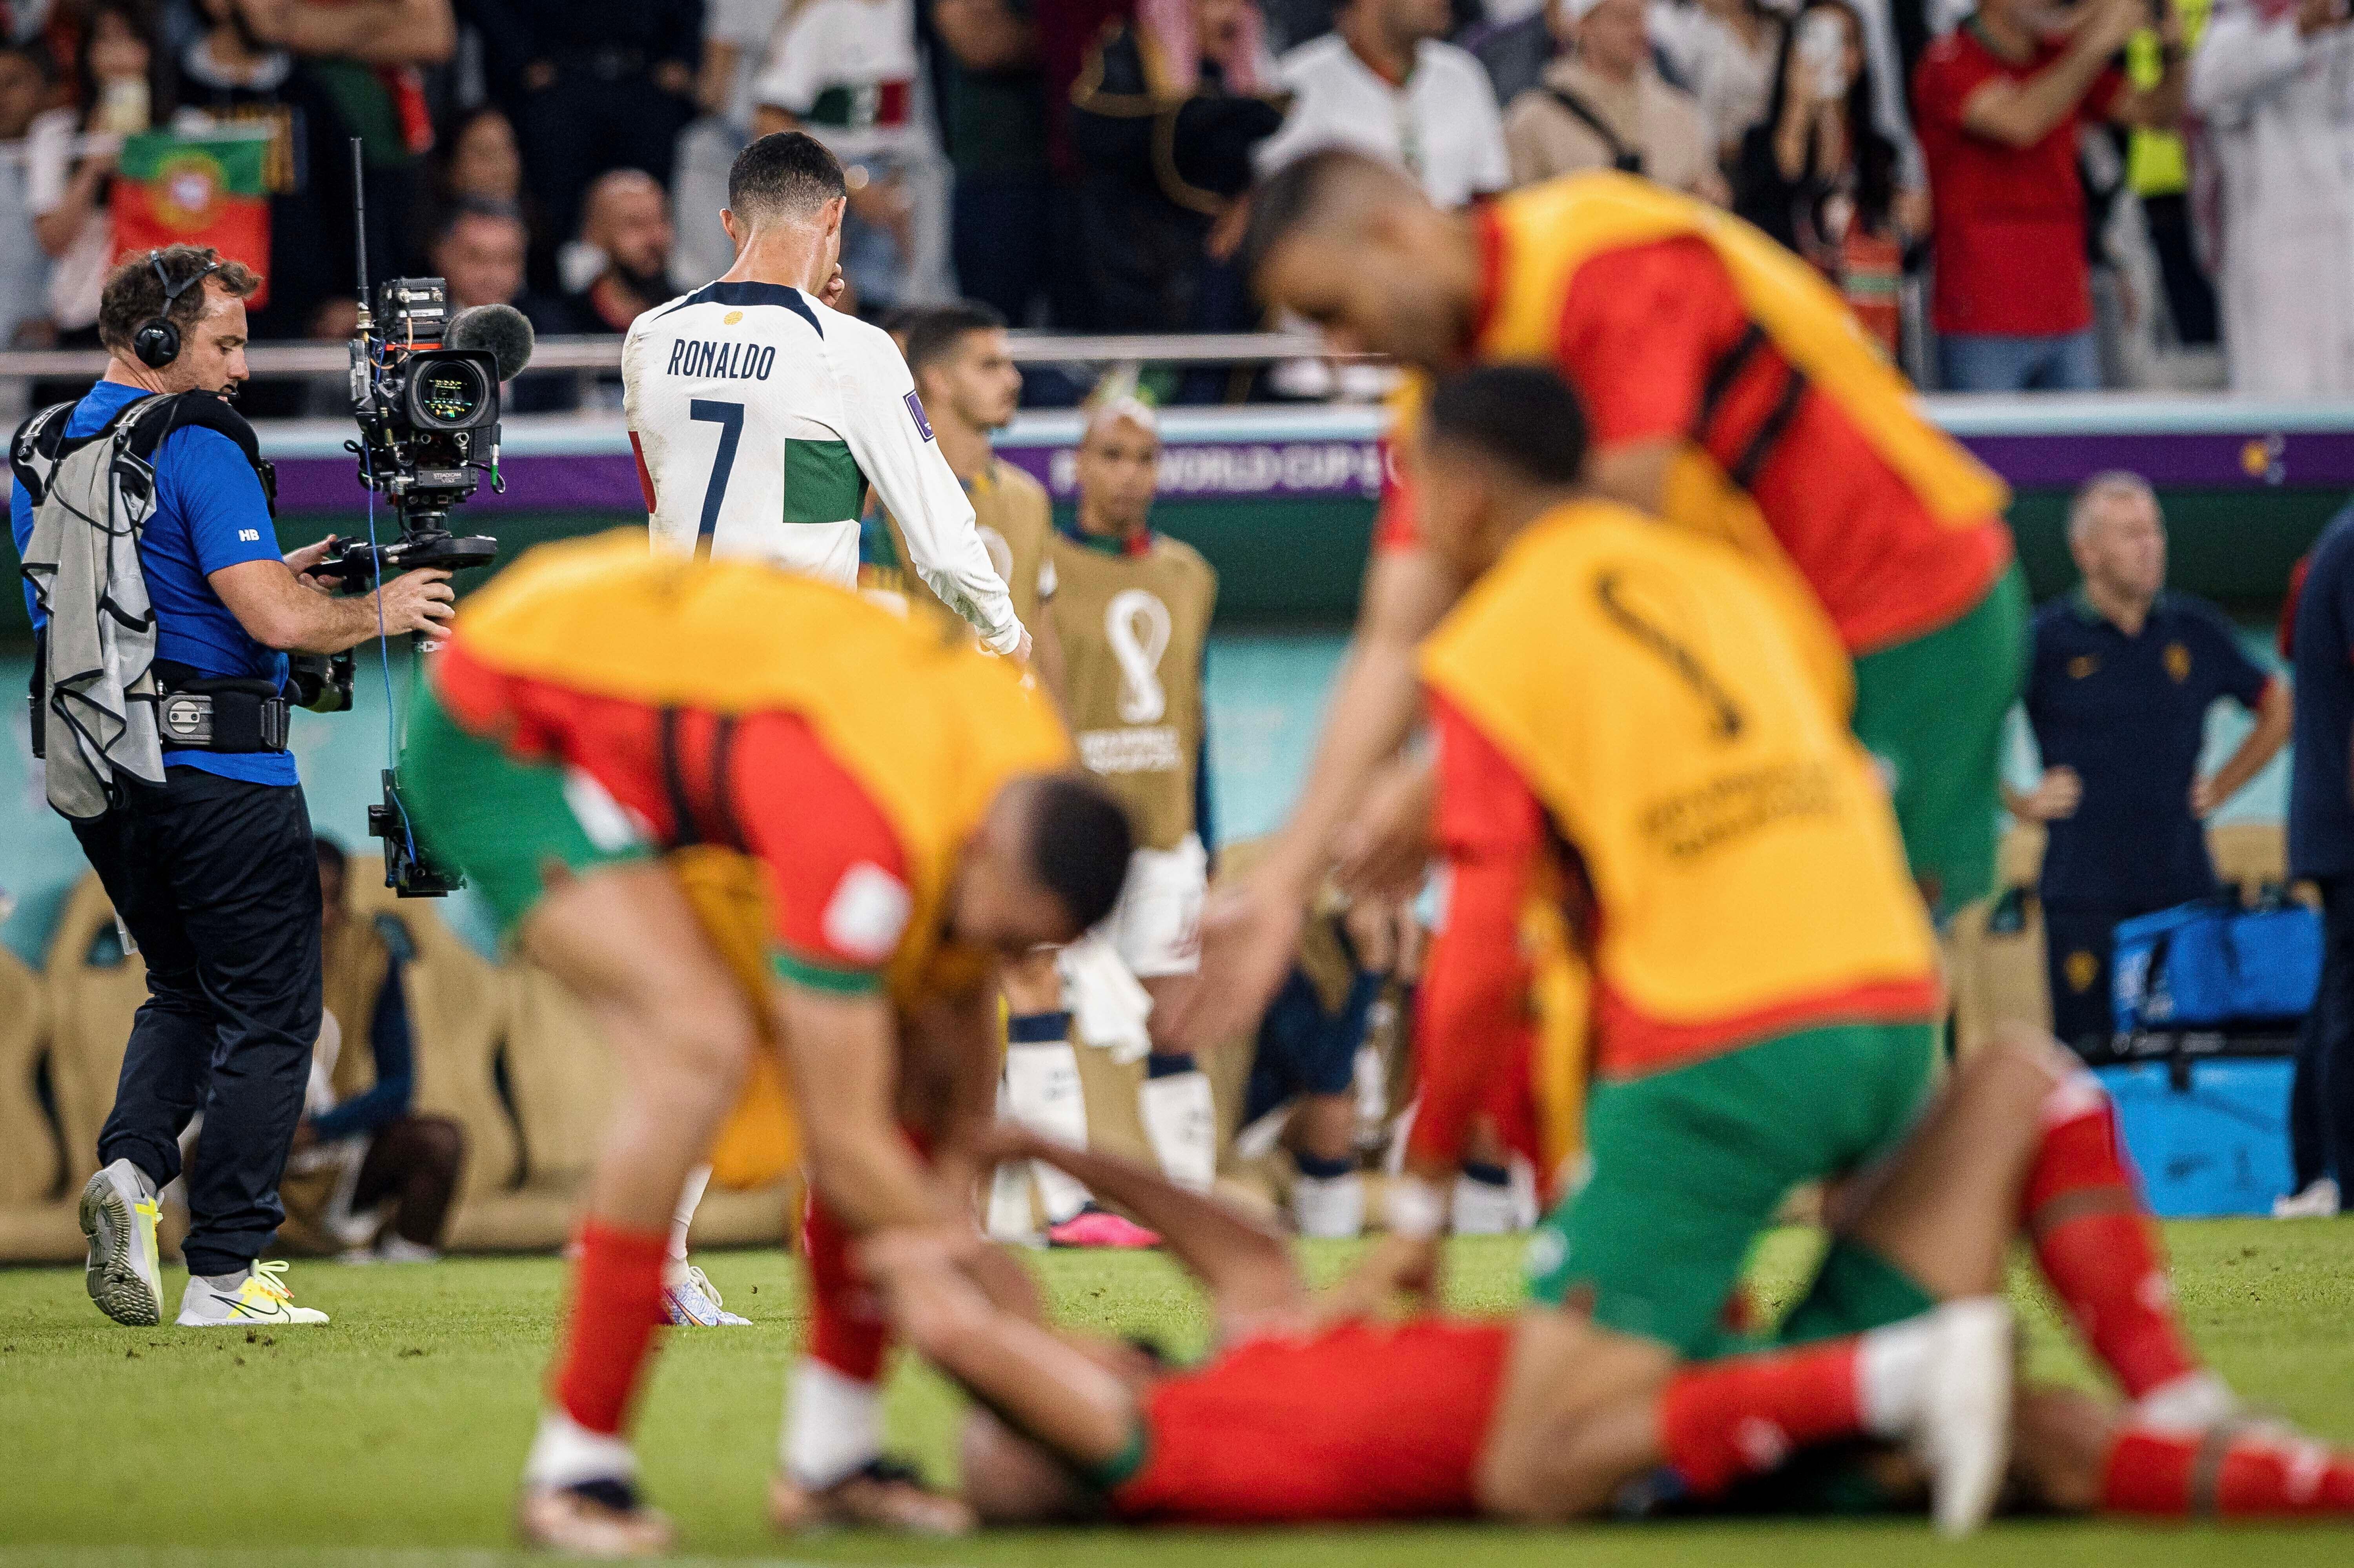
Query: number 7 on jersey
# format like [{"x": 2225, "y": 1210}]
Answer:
[{"x": 729, "y": 417}]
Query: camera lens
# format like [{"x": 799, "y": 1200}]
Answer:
[{"x": 447, "y": 393}]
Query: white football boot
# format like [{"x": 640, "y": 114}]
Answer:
[
  {"x": 260, "y": 1300},
  {"x": 692, "y": 1301},
  {"x": 119, "y": 1207},
  {"x": 1962, "y": 1432}
]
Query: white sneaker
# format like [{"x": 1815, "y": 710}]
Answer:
[
  {"x": 259, "y": 1299},
  {"x": 2317, "y": 1202},
  {"x": 692, "y": 1301},
  {"x": 117, "y": 1215},
  {"x": 1963, "y": 1434}
]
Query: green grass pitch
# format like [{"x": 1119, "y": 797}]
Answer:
[{"x": 393, "y": 1436}]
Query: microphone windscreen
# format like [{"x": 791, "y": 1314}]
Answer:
[{"x": 500, "y": 329}]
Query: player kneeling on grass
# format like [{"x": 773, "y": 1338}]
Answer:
[
  {"x": 1311, "y": 1411},
  {"x": 907, "y": 809}
]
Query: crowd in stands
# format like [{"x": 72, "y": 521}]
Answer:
[{"x": 2023, "y": 195}]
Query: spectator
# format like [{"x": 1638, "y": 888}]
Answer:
[
  {"x": 358, "y": 1120},
  {"x": 2321, "y": 848},
  {"x": 23, "y": 265},
  {"x": 480, "y": 249},
  {"x": 735, "y": 36},
  {"x": 626, "y": 227},
  {"x": 2120, "y": 677},
  {"x": 1385, "y": 85},
  {"x": 993, "y": 119},
  {"x": 844, "y": 70},
  {"x": 1999, "y": 104},
  {"x": 70, "y": 158},
  {"x": 2157, "y": 169},
  {"x": 2274, "y": 84},
  {"x": 365, "y": 56},
  {"x": 1602, "y": 105},
  {"x": 475, "y": 161},
  {"x": 1166, "y": 115},
  {"x": 1725, "y": 52},
  {"x": 1819, "y": 177},
  {"x": 591, "y": 85},
  {"x": 229, "y": 76}
]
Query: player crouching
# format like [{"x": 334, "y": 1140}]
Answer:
[{"x": 904, "y": 815}]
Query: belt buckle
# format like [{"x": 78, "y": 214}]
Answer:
[{"x": 187, "y": 717}]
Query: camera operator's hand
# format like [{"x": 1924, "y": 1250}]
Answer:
[
  {"x": 303, "y": 562},
  {"x": 421, "y": 600}
]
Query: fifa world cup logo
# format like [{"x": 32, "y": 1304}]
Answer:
[{"x": 1137, "y": 623}]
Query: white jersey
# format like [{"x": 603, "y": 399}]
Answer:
[{"x": 759, "y": 416}]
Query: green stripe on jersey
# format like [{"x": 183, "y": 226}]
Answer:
[
  {"x": 823, "y": 483},
  {"x": 821, "y": 977}
]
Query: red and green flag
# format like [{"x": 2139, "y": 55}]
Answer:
[{"x": 207, "y": 189}]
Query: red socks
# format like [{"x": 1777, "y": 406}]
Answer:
[
  {"x": 846, "y": 1328},
  {"x": 616, "y": 1305},
  {"x": 2222, "y": 1474},
  {"x": 1743, "y": 1415},
  {"x": 2100, "y": 1252}
]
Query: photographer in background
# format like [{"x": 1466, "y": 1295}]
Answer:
[{"x": 212, "y": 872}]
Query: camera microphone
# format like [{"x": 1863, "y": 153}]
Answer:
[{"x": 501, "y": 331}]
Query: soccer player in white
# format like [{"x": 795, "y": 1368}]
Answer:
[{"x": 759, "y": 416}]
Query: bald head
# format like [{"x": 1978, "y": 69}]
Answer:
[
  {"x": 627, "y": 216},
  {"x": 1354, "y": 245}
]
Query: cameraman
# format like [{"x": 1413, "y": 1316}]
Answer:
[{"x": 213, "y": 873}]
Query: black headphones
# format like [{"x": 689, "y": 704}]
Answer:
[{"x": 157, "y": 342}]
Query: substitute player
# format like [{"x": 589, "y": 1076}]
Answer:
[
  {"x": 909, "y": 810},
  {"x": 1632, "y": 724},
  {"x": 1730, "y": 391},
  {"x": 759, "y": 416},
  {"x": 1132, "y": 613}
]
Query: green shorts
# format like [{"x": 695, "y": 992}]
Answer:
[
  {"x": 500, "y": 821},
  {"x": 1932, "y": 711},
  {"x": 1689, "y": 1165}
]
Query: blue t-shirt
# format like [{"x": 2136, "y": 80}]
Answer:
[
  {"x": 2321, "y": 766},
  {"x": 209, "y": 514},
  {"x": 2129, "y": 714}
]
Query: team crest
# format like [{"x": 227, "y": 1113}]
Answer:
[
  {"x": 2083, "y": 969},
  {"x": 731, "y": 317},
  {"x": 2178, "y": 662},
  {"x": 2082, "y": 665}
]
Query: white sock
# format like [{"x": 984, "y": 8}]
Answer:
[
  {"x": 690, "y": 1198},
  {"x": 1043, "y": 1093},
  {"x": 1480, "y": 1208},
  {"x": 1182, "y": 1125},
  {"x": 1890, "y": 1367},
  {"x": 834, "y": 1424},
  {"x": 1327, "y": 1208},
  {"x": 565, "y": 1454}
]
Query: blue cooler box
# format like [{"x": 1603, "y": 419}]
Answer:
[{"x": 2209, "y": 1136}]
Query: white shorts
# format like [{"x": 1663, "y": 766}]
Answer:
[{"x": 1156, "y": 926}]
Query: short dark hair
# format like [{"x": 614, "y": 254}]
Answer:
[
  {"x": 466, "y": 209},
  {"x": 1299, "y": 194},
  {"x": 133, "y": 292},
  {"x": 786, "y": 174},
  {"x": 1079, "y": 843},
  {"x": 1523, "y": 417},
  {"x": 939, "y": 332}
]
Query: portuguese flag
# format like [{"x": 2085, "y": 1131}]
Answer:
[{"x": 203, "y": 189}]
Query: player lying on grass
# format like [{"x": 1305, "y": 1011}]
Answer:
[
  {"x": 1309, "y": 1412},
  {"x": 904, "y": 809}
]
